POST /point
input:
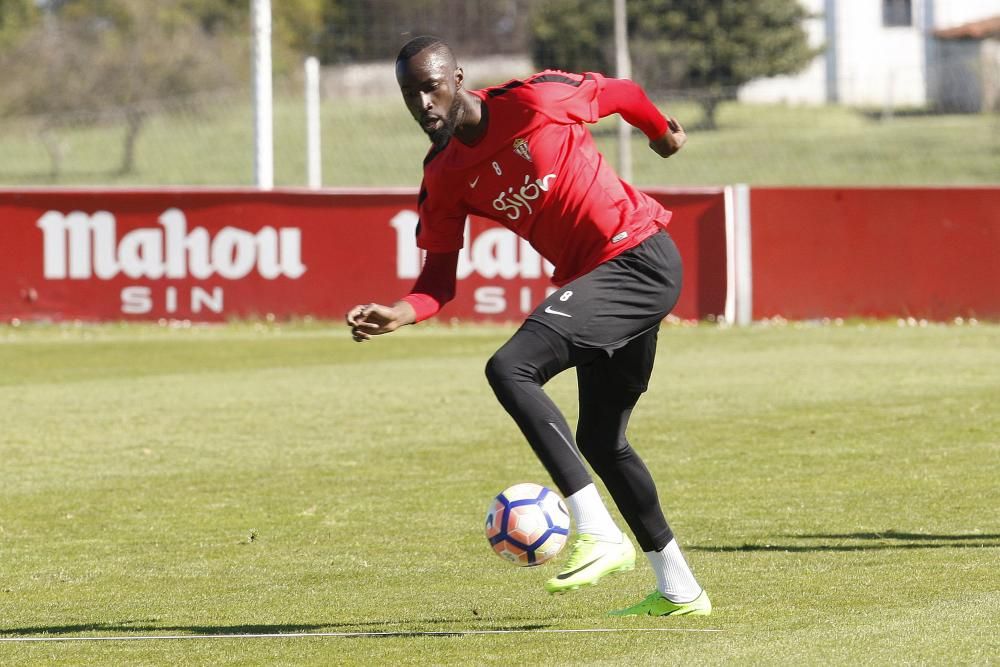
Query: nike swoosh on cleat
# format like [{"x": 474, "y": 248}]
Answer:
[
  {"x": 550, "y": 311},
  {"x": 567, "y": 575}
]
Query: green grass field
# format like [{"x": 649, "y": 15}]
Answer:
[
  {"x": 375, "y": 143},
  {"x": 835, "y": 489}
]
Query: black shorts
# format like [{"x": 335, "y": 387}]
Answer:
[
  {"x": 617, "y": 308},
  {"x": 620, "y": 299}
]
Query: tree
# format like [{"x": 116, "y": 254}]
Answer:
[
  {"x": 297, "y": 25},
  {"x": 707, "y": 46},
  {"x": 85, "y": 62},
  {"x": 98, "y": 61},
  {"x": 15, "y": 17},
  {"x": 368, "y": 30}
]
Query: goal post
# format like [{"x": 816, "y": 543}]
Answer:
[
  {"x": 263, "y": 101},
  {"x": 739, "y": 266},
  {"x": 314, "y": 155}
]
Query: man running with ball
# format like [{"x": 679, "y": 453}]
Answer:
[{"x": 519, "y": 154}]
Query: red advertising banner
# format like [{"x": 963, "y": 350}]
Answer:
[
  {"x": 931, "y": 253},
  {"x": 213, "y": 255}
]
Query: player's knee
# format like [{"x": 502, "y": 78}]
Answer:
[
  {"x": 501, "y": 367},
  {"x": 508, "y": 366}
]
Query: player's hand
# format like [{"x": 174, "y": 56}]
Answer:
[
  {"x": 671, "y": 141},
  {"x": 373, "y": 319}
]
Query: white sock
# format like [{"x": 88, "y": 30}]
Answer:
[
  {"x": 591, "y": 516},
  {"x": 673, "y": 576}
]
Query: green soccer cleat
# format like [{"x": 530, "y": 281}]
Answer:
[
  {"x": 657, "y": 605},
  {"x": 590, "y": 560}
]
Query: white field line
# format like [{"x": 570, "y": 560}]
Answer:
[{"x": 401, "y": 633}]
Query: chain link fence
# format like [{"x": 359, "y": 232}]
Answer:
[{"x": 206, "y": 137}]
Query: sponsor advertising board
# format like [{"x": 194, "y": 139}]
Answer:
[
  {"x": 214, "y": 255},
  {"x": 926, "y": 253}
]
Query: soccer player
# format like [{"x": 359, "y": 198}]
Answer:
[{"x": 519, "y": 154}]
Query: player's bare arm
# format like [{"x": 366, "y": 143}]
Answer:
[
  {"x": 374, "y": 319},
  {"x": 672, "y": 141}
]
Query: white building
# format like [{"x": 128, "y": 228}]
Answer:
[{"x": 889, "y": 54}]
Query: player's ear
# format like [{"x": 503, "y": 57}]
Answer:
[{"x": 459, "y": 78}]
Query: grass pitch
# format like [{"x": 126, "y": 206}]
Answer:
[{"x": 834, "y": 488}]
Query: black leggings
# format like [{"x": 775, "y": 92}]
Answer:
[{"x": 534, "y": 355}]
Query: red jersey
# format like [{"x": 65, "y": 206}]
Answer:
[{"x": 537, "y": 172}]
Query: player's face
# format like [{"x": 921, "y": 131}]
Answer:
[{"x": 430, "y": 82}]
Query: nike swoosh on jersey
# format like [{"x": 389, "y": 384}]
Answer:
[
  {"x": 550, "y": 311},
  {"x": 567, "y": 575},
  {"x": 473, "y": 182}
]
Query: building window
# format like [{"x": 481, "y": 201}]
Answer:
[{"x": 897, "y": 13}]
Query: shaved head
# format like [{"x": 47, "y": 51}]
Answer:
[
  {"x": 436, "y": 45},
  {"x": 431, "y": 83}
]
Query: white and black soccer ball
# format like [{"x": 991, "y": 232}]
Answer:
[{"x": 527, "y": 524}]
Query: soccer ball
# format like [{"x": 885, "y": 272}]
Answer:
[{"x": 527, "y": 524}]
